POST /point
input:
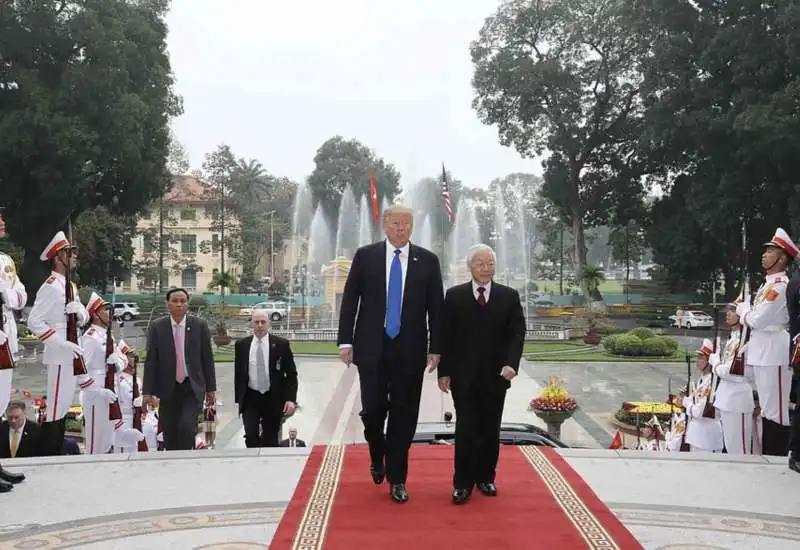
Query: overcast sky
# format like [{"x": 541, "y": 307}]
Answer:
[{"x": 274, "y": 80}]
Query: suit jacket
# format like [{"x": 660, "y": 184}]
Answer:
[
  {"x": 480, "y": 340},
  {"x": 297, "y": 443},
  {"x": 29, "y": 443},
  {"x": 158, "y": 378},
  {"x": 363, "y": 310},
  {"x": 282, "y": 370}
]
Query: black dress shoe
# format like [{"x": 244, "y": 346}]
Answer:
[
  {"x": 5, "y": 487},
  {"x": 378, "y": 473},
  {"x": 399, "y": 493},
  {"x": 460, "y": 496},
  {"x": 488, "y": 489},
  {"x": 5, "y": 475},
  {"x": 794, "y": 463}
]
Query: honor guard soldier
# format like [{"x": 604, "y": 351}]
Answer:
[
  {"x": 48, "y": 321},
  {"x": 768, "y": 348},
  {"x": 12, "y": 296},
  {"x": 102, "y": 433},
  {"x": 703, "y": 434},
  {"x": 734, "y": 394},
  {"x": 125, "y": 390}
]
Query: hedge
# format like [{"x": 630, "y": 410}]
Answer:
[{"x": 640, "y": 342}]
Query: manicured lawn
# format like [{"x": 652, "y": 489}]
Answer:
[{"x": 593, "y": 354}]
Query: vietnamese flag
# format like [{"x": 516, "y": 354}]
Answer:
[
  {"x": 617, "y": 442},
  {"x": 373, "y": 197}
]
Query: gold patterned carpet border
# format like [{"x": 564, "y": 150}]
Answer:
[
  {"x": 585, "y": 522},
  {"x": 314, "y": 523}
]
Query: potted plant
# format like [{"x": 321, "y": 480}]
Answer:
[
  {"x": 554, "y": 405},
  {"x": 221, "y": 336}
]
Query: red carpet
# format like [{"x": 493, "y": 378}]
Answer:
[{"x": 543, "y": 503}]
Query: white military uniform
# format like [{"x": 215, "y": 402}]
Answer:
[
  {"x": 95, "y": 397},
  {"x": 702, "y": 434},
  {"x": 734, "y": 399},
  {"x": 14, "y": 298},
  {"x": 48, "y": 321},
  {"x": 768, "y": 348}
]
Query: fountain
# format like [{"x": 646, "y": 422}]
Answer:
[
  {"x": 364, "y": 223},
  {"x": 500, "y": 236},
  {"x": 425, "y": 233},
  {"x": 465, "y": 234}
]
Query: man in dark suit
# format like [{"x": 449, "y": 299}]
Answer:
[
  {"x": 179, "y": 371},
  {"x": 265, "y": 382},
  {"x": 793, "y": 305},
  {"x": 395, "y": 288},
  {"x": 484, "y": 334},
  {"x": 19, "y": 437},
  {"x": 292, "y": 440}
]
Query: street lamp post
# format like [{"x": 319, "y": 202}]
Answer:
[{"x": 271, "y": 215}]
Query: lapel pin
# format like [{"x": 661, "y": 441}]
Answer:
[{"x": 415, "y": 258}]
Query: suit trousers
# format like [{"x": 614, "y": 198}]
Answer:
[
  {"x": 794, "y": 439},
  {"x": 261, "y": 419},
  {"x": 479, "y": 413},
  {"x": 390, "y": 396},
  {"x": 178, "y": 414}
]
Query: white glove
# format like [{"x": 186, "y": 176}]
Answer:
[
  {"x": 74, "y": 307},
  {"x": 742, "y": 308},
  {"x": 796, "y": 338},
  {"x": 713, "y": 359},
  {"x": 121, "y": 361},
  {"x": 137, "y": 402},
  {"x": 109, "y": 395},
  {"x": 3, "y": 338},
  {"x": 76, "y": 350},
  {"x": 127, "y": 436},
  {"x": 7, "y": 298}
]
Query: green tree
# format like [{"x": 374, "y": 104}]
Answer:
[
  {"x": 85, "y": 96},
  {"x": 721, "y": 133},
  {"x": 106, "y": 249},
  {"x": 339, "y": 163},
  {"x": 559, "y": 77}
]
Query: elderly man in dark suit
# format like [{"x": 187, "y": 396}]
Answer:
[
  {"x": 793, "y": 305},
  {"x": 484, "y": 334},
  {"x": 265, "y": 382},
  {"x": 389, "y": 327},
  {"x": 292, "y": 440},
  {"x": 179, "y": 371}
]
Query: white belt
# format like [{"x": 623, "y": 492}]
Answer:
[{"x": 772, "y": 328}]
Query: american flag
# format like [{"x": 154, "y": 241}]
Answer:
[{"x": 446, "y": 196}]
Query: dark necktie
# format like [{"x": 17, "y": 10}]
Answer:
[{"x": 481, "y": 296}]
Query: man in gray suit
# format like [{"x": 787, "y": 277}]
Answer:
[{"x": 178, "y": 382}]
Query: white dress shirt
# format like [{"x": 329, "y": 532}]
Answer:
[
  {"x": 19, "y": 435},
  {"x": 252, "y": 372},
  {"x": 182, "y": 331},
  {"x": 487, "y": 291}
]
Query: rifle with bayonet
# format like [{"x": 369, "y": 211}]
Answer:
[{"x": 737, "y": 366}]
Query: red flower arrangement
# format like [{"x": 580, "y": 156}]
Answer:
[{"x": 554, "y": 398}]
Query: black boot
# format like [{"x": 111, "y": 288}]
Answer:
[
  {"x": 794, "y": 462},
  {"x": 5, "y": 487},
  {"x": 8, "y": 477}
]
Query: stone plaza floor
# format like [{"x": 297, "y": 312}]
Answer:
[{"x": 233, "y": 497}]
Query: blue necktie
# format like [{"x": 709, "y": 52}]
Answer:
[{"x": 394, "y": 297}]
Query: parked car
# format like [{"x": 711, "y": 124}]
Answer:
[
  {"x": 694, "y": 319},
  {"x": 511, "y": 433},
  {"x": 277, "y": 310},
  {"x": 127, "y": 311}
]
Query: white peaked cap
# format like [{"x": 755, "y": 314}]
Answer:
[
  {"x": 95, "y": 303},
  {"x": 707, "y": 348},
  {"x": 59, "y": 242},
  {"x": 781, "y": 239}
]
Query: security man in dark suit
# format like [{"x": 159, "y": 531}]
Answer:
[
  {"x": 389, "y": 327},
  {"x": 292, "y": 440},
  {"x": 484, "y": 334},
  {"x": 19, "y": 436},
  {"x": 793, "y": 305},
  {"x": 264, "y": 381},
  {"x": 179, "y": 371}
]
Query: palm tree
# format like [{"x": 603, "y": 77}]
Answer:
[{"x": 593, "y": 276}]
